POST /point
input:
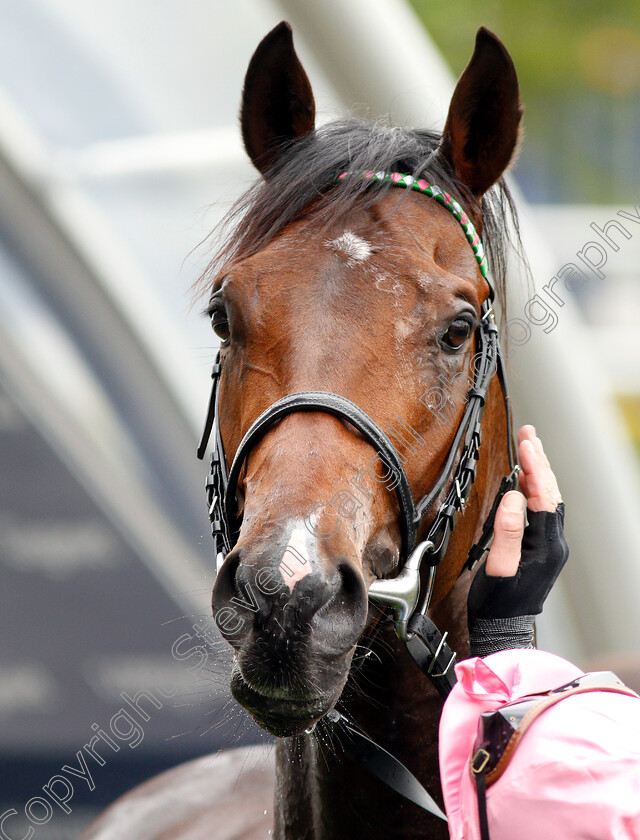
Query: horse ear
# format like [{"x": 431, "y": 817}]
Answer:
[
  {"x": 277, "y": 100},
  {"x": 482, "y": 128}
]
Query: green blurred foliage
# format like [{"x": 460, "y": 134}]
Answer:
[
  {"x": 546, "y": 38},
  {"x": 579, "y": 68}
]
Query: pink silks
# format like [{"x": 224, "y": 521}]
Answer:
[{"x": 576, "y": 772}]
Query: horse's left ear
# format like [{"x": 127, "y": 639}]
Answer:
[
  {"x": 481, "y": 132},
  {"x": 277, "y": 100}
]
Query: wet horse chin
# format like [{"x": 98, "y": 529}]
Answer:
[{"x": 281, "y": 712}]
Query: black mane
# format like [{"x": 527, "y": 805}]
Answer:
[{"x": 304, "y": 181}]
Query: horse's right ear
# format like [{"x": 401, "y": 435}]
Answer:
[{"x": 277, "y": 100}]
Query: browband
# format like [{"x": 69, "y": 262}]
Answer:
[{"x": 396, "y": 179}]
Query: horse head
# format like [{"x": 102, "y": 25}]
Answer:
[{"x": 349, "y": 288}]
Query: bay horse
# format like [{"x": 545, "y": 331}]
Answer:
[{"x": 352, "y": 288}]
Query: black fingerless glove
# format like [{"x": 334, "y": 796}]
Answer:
[{"x": 501, "y": 610}]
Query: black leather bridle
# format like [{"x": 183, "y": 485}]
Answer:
[
  {"x": 458, "y": 471},
  {"x": 402, "y": 593},
  {"x": 426, "y": 644}
]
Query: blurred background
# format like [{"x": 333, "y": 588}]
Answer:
[{"x": 119, "y": 152}]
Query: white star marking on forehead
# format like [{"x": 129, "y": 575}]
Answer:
[{"x": 352, "y": 246}]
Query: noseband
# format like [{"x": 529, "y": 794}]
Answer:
[{"x": 402, "y": 592}]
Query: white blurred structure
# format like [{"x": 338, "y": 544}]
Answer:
[{"x": 117, "y": 133}]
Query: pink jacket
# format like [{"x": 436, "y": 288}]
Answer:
[{"x": 576, "y": 772}]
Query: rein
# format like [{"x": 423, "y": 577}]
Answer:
[{"x": 425, "y": 643}]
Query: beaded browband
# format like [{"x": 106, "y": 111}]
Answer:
[{"x": 396, "y": 179}]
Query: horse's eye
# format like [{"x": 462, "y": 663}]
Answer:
[
  {"x": 220, "y": 323},
  {"x": 457, "y": 334}
]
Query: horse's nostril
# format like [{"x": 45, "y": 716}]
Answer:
[
  {"x": 354, "y": 604},
  {"x": 342, "y": 618},
  {"x": 353, "y": 585}
]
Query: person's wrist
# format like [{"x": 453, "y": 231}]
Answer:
[{"x": 491, "y": 635}]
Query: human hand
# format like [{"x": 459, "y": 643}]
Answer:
[
  {"x": 539, "y": 486},
  {"x": 509, "y": 590}
]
